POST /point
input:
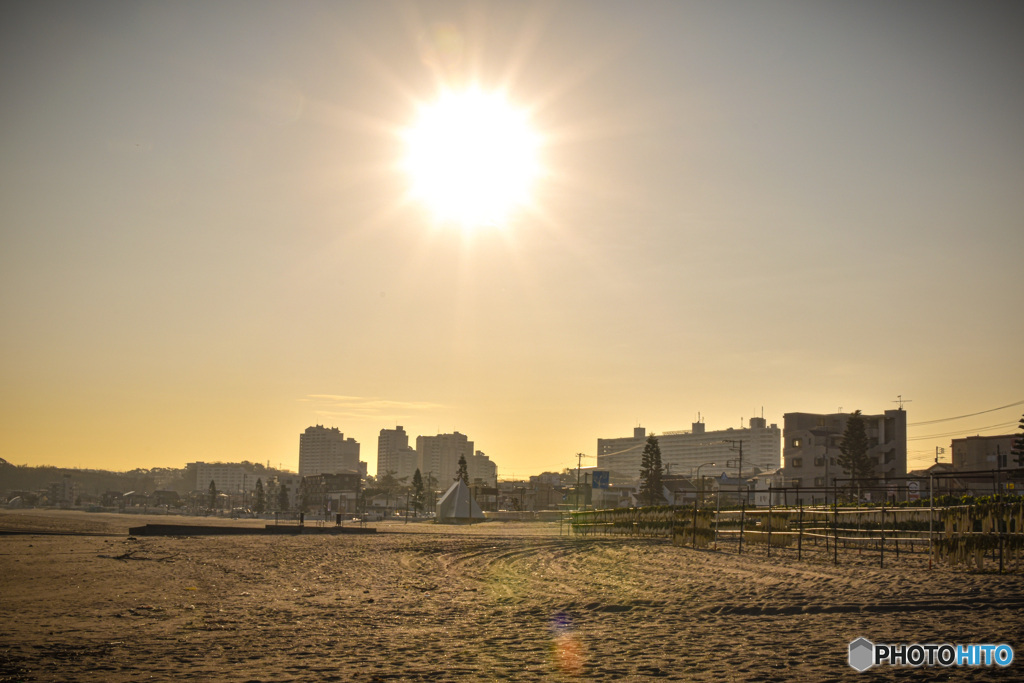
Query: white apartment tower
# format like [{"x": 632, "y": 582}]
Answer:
[
  {"x": 682, "y": 452},
  {"x": 327, "y": 451}
]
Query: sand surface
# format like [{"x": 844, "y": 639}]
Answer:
[{"x": 495, "y": 601}]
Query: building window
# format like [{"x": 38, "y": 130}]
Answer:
[
  {"x": 819, "y": 481},
  {"x": 819, "y": 462},
  {"x": 796, "y": 443},
  {"x": 796, "y": 462}
]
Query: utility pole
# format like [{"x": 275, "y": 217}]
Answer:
[
  {"x": 739, "y": 474},
  {"x": 579, "y": 463},
  {"x": 999, "y": 469}
]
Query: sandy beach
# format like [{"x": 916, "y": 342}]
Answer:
[{"x": 495, "y": 601}]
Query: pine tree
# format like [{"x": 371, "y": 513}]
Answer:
[
  {"x": 282, "y": 498},
  {"x": 651, "y": 472},
  {"x": 854, "y": 447},
  {"x": 417, "y": 492},
  {"x": 213, "y": 494},
  {"x": 391, "y": 485},
  {"x": 463, "y": 472},
  {"x": 431, "y": 484},
  {"x": 261, "y": 500}
]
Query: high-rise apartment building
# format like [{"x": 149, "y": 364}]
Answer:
[
  {"x": 327, "y": 451},
  {"x": 439, "y": 456},
  {"x": 480, "y": 469},
  {"x": 812, "y": 452},
  {"x": 682, "y": 452},
  {"x": 390, "y": 442},
  {"x": 395, "y": 455}
]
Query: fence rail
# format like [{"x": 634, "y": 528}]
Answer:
[{"x": 965, "y": 536}]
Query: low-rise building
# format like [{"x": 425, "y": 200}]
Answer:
[
  {"x": 983, "y": 453},
  {"x": 941, "y": 479},
  {"x": 226, "y": 477},
  {"x": 330, "y": 493},
  {"x": 682, "y": 452},
  {"x": 986, "y": 464},
  {"x": 680, "y": 490},
  {"x": 770, "y": 489}
]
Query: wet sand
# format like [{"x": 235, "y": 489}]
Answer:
[{"x": 495, "y": 601}]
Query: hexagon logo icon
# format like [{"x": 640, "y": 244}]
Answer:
[{"x": 862, "y": 654}]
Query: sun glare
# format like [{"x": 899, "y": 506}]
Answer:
[{"x": 472, "y": 158}]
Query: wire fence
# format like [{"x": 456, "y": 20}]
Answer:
[{"x": 979, "y": 537}]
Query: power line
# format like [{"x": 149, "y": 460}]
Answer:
[
  {"x": 631, "y": 448},
  {"x": 963, "y": 432},
  {"x": 960, "y": 417}
]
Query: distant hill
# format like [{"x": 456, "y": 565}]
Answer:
[{"x": 97, "y": 482}]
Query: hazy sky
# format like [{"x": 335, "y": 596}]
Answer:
[{"x": 207, "y": 245}]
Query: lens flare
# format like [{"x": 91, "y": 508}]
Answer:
[{"x": 566, "y": 648}]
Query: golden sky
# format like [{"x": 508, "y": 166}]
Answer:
[{"x": 207, "y": 241}]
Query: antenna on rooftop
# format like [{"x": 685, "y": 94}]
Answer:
[{"x": 901, "y": 400}]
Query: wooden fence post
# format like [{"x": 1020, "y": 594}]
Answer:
[
  {"x": 800, "y": 532},
  {"x": 835, "y": 524},
  {"x": 743, "y": 514},
  {"x": 881, "y": 559},
  {"x": 694, "y": 522}
]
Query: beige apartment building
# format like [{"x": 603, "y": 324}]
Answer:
[
  {"x": 439, "y": 456},
  {"x": 983, "y": 453},
  {"x": 395, "y": 455},
  {"x": 811, "y": 452}
]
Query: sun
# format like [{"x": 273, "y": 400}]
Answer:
[{"x": 472, "y": 158}]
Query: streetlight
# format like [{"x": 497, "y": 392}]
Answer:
[{"x": 702, "y": 479}]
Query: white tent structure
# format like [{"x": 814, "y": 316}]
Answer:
[{"x": 457, "y": 505}]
